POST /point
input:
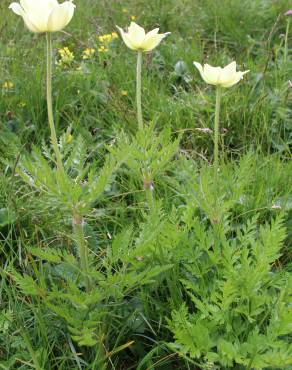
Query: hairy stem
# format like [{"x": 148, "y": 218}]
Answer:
[
  {"x": 54, "y": 140},
  {"x": 139, "y": 90},
  {"x": 286, "y": 40},
  {"x": 216, "y": 129}
]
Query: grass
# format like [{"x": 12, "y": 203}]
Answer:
[{"x": 202, "y": 279}]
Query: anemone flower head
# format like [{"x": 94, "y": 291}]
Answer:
[
  {"x": 44, "y": 15},
  {"x": 137, "y": 39},
  {"x": 224, "y": 77}
]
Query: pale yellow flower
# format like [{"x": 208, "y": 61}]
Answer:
[
  {"x": 224, "y": 77},
  {"x": 88, "y": 53},
  {"x": 66, "y": 56},
  {"x": 107, "y": 38},
  {"x": 136, "y": 38},
  {"x": 44, "y": 15},
  {"x": 8, "y": 85},
  {"x": 133, "y": 17},
  {"x": 102, "y": 49},
  {"x": 124, "y": 93}
]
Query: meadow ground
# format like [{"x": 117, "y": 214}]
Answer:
[{"x": 140, "y": 256}]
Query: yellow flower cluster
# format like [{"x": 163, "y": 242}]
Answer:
[
  {"x": 105, "y": 40},
  {"x": 66, "y": 56},
  {"x": 7, "y": 85},
  {"x": 108, "y": 37},
  {"x": 88, "y": 53}
]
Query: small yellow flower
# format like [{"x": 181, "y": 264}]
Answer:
[
  {"x": 66, "y": 56},
  {"x": 107, "y": 38},
  {"x": 102, "y": 49},
  {"x": 88, "y": 53},
  {"x": 125, "y": 10},
  {"x": 8, "y": 85},
  {"x": 124, "y": 93},
  {"x": 133, "y": 17}
]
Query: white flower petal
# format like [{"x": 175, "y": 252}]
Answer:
[
  {"x": 200, "y": 69},
  {"x": 17, "y": 9},
  {"x": 37, "y": 13},
  {"x": 51, "y": 4},
  {"x": 152, "y": 41},
  {"x": 151, "y": 33},
  {"x": 225, "y": 77},
  {"x": 238, "y": 76},
  {"x": 136, "y": 33},
  {"x": 28, "y": 4},
  {"x": 44, "y": 15},
  {"x": 137, "y": 40},
  {"x": 60, "y": 16},
  {"x": 30, "y": 25},
  {"x": 198, "y": 66},
  {"x": 125, "y": 38},
  {"x": 231, "y": 67},
  {"x": 228, "y": 73},
  {"x": 212, "y": 74}
]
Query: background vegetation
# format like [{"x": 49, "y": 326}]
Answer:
[{"x": 202, "y": 280}]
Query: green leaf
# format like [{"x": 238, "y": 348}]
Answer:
[{"x": 7, "y": 217}]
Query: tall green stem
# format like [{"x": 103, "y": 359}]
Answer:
[
  {"x": 216, "y": 129},
  {"x": 148, "y": 185},
  {"x": 139, "y": 90},
  {"x": 286, "y": 40},
  {"x": 49, "y": 104},
  {"x": 78, "y": 228}
]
